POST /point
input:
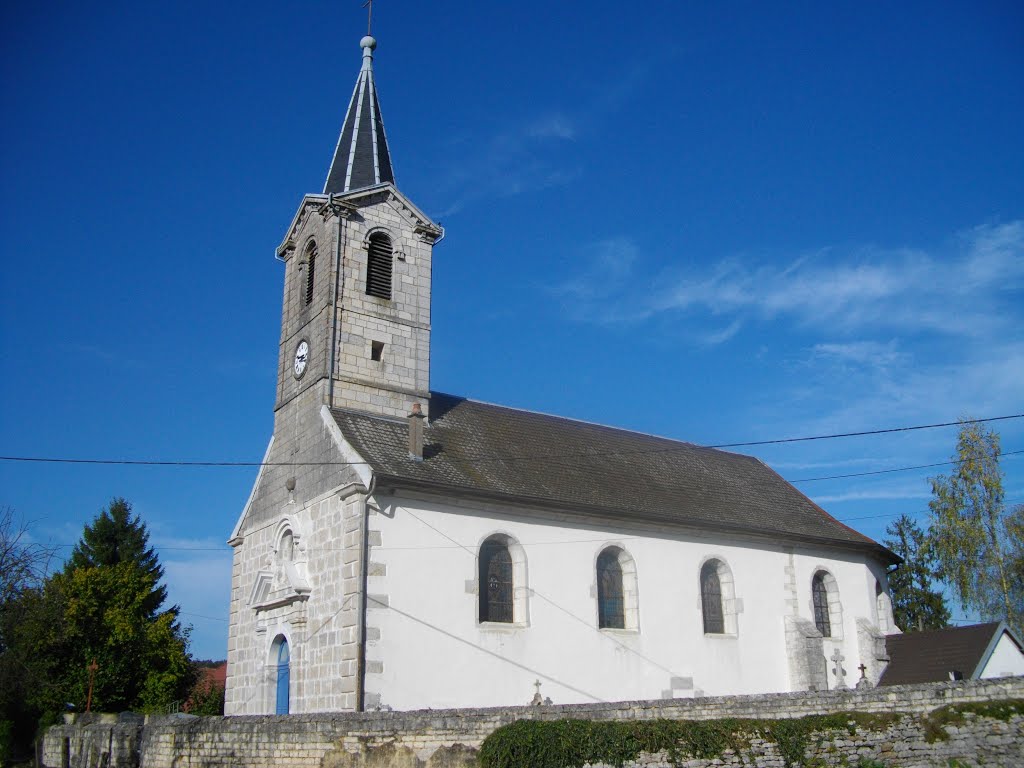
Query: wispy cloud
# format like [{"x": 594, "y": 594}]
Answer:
[
  {"x": 918, "y": 491},
  {"x": 860, "y": 352},
  {"x": 530, "y": 154},
  {"x": 554, "y": 126},
  {"x": 964, "y": 289}
]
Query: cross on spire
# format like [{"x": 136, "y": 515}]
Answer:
[{"x": 368, "y": 5}]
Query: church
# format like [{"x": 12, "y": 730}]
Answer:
[{"x": 407, "y": 549}]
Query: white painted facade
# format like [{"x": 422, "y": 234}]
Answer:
[
  {"x": 1006, "y": 659},
  {"x": 432, "y": 650}
]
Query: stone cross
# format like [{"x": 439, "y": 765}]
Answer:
[
  {"x": 863, "y": 682},
  {"x": 537, "y": 700},
  {"x": 837, "y": 670}
]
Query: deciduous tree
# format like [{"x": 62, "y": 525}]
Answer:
[{"x": 976, "y": 543}]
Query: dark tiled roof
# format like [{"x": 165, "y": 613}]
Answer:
[
  {"x": 516, "y": 455},
  {"x": 926, "y": 657},
  {"x": 361, "y": 158}
]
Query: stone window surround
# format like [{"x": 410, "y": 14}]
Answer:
[
  {"x": 630, "y": 591},
  {"x": 731, "y": 606},
  {"x": 835, "y": 605}
]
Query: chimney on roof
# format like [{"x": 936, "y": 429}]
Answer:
[{"x": 416, "y": 433}]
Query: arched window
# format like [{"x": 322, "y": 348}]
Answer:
[
  {"x": 378, "y": 266},
  {"x": 283, "y": 677},
  {"x": 611, "y": 607},
  {"x": 616, "y": 590},
  {"x": 711, "y": 599},
  {"x": 310, "y": 273},
  {"x": 819, "y": 599},
  {"x": 496, "y": 586}
]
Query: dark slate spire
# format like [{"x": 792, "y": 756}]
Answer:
[{"x": 361, "y": 158}]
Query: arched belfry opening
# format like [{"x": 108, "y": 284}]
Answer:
[{"x": 379, "y": 260}]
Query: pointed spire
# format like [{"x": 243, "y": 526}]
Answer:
[{"x": 361, "y": 158}]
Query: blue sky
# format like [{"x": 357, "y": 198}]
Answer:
[{"x": 719, "y": 223}]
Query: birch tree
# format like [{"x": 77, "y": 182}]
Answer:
[{"x": 977, "y": 545}]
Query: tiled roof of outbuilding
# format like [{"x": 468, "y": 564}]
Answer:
[
  {"x": 488, "y": 450},
  {"x": 926, "y": 657}
]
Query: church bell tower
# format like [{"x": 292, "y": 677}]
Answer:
[{"x": 355, "y": 322}]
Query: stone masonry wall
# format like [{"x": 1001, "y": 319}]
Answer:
[{"x": 451, "y": 738}]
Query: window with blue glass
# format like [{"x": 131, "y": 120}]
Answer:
[
  {"x": 819, "y": 597},
  {"x": 611, "y": 604},
  {"x": 711, "y": 598},
  {"x": 496, "y": 587}
]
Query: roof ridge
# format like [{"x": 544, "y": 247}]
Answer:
[{"x": 591, "y": 424}]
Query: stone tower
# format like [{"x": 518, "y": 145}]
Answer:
[
  {"x": 355, "y": 336},
  {"x": 355, "y": 322}
]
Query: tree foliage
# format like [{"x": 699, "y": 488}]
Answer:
[
  {"x": 916, "y": 605},
  {"x": 23, "y": 566},
  {"x": 104, "y": 606},
  {"x": 116, "y": 536},
  {"x": 977, "y": 544}
]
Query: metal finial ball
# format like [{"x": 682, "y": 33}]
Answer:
[{"x": 368, "y": 42}]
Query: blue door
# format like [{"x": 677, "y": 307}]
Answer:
[{"x": 283, "y": 676}]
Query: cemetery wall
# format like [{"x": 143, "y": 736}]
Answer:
[{"x": 451, "y": 738}]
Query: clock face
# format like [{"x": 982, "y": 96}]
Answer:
[{"x": 301, "y": 358}]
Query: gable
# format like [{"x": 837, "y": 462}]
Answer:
[{"x": 418, "y": 221}]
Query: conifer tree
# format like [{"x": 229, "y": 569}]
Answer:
[
  {"x": 916, "y": 604},
  {"x": 116, "y": 536}
]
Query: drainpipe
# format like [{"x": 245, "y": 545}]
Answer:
[
  {"x": 336, "y": 299},
  {"x": 364, "y": 572}
]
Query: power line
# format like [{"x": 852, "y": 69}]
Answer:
[
  {"x": 894, "y": 469},
  {"x": 484, "y": 457}
]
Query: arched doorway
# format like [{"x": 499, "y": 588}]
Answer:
[{"x": 283, "y": 677}]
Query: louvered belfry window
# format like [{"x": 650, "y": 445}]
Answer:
[
  {"x": 495, "y": 581},
  {"x": 819, "y": 596},
  {"x": 611, "y": 613},
  {"x": 310, "y": 272},
  {"x": 711, "y": 599},
  {"x": 378, "y": 266}
]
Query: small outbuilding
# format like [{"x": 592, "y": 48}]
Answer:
[{"x": 954, "y": 653}]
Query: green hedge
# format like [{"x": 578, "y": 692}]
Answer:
[{"x": 574, "y": 743}]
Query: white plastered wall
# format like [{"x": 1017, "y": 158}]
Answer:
[
  {"x": 428, "y": 650},
  {"x": 1006, "y": 660}
]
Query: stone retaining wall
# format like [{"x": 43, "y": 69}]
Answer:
[{"x": 450, "y": 738}]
